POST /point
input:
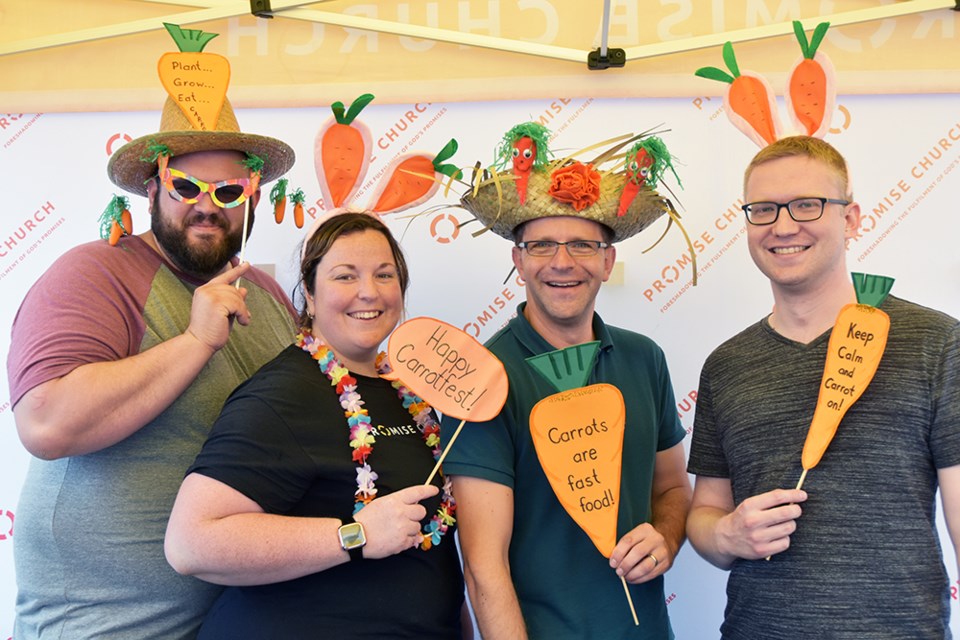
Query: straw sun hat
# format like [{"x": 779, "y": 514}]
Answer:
[
  {"x": 130, "y": 167},
  {"x": 566, "y": 187}
]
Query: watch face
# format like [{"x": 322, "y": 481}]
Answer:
[{"x": 351, "y": 536}]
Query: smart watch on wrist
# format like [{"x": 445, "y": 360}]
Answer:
[{"x": 352, "y": 539}]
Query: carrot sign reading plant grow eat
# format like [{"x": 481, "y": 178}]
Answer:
[{"x": 196, "y": 81}]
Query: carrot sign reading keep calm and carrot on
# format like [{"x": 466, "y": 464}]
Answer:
[{"x": 856, "y": 346}]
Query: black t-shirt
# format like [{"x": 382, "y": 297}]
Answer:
[{"x": 282, "y": 440}]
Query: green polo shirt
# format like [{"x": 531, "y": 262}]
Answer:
[{"x": 565, "y": 586}]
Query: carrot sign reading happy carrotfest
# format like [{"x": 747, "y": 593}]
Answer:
[{"x": 448, "y": 369}]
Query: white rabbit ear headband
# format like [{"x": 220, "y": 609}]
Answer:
[
  {"x": 810, "y": 94},
  {"x": 342, "y": 151}
]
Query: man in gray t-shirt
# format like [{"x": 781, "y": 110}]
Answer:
[
  {"x": 855, "y": 554},
  {"x": 121, "y": 358}
]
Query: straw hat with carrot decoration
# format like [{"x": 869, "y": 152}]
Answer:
[
  {"x": 196, "y": 117},
  {"x": 616, "y": 188}
]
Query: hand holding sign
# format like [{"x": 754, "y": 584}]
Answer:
[{"x": 448, "y": 369}]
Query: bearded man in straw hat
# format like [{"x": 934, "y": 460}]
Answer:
[
  {"x": 530, "y": 570},
  {"x": 120, "y": 361}
]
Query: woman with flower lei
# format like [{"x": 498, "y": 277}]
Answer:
[{"x": 308, "y": 497}]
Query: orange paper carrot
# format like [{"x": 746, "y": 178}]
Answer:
[
  {"x": 856, "y": 345},
  {"x": 646, "y": 162},
  {"x": 297, "y": 198},
  {"x": 343, "y": 149},
  {"x": 411, "y": 181},
  {"x": 116, "y": 221},
  {"x": 278, "y": 197},
  {"x": 749, "y": 102},
  {"x": 196, "y": 81},
  {"x": 811, "y": 89}
]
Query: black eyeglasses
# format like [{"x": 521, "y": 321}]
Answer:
[
  {"x": 185, "y": 188},
  {"x": 800, "y": 209},
  {"x": 575, "y": 248}
]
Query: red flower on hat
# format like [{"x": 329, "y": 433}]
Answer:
[{"x": 576, "y": 184}]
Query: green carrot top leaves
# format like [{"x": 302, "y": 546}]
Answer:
[
  {"x": 189, "y": 40},
  {"x": 809, "y": 49},
  {"x": 355, "y": 108},
  {"x": 568, "y": 368},
  {"x": 538, "y": 133},
  {"x": 254, "y": 163},
  {"x": 447, "y": 152},
  {"x": 279, "y": 191},
  {"x": 713, "y": 73},
  {"x": 871, "y": 290}
]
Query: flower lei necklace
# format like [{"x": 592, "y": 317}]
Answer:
[{"x": 361, "y": 432}]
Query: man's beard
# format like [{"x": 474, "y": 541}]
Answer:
[{"x": 200, "y": 260}]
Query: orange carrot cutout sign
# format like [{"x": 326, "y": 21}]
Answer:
[
  {"x": 448, "y": 369},
  {"x": 410, "y": 179},
  {"x": 342, "y": 151},
  {"x": 857, "y": 342},
  {"x": 196, "y": 81},
  {"x": 578, "y": 436},
  {"x": 749, "y": 102},
  {"x": 811, "y": 87}
]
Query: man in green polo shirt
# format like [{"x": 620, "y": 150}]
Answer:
[{"x": 530, "y": 569}]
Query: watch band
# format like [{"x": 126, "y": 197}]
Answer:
[{"x": 356, "y": 554}]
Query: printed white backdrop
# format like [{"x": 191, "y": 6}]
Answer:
[{"x": 904, "y": 152}]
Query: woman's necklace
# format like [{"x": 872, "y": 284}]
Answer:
[{"x": 361, "y": 432}]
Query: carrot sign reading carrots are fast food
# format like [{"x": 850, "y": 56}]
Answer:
[
  {"x": 856, "y": 345},
  {"x": 578, "y": 436}
]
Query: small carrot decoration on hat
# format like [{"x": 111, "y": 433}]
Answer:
[
  {"x": 342, "y": 151},
  {"x": 856, "y": 345},
  {"x": 411, "y": 179},
  {"x": 278, "y": 197},
  {"x": 525, "y": 147},
  {"x": 646, "y": 163},
  {"x": 811, "y": 87},
  {"x": 116, "y": 221},
  {"x": 749, "y": 102},
  {"x": 255, "y": 164},
  {"x": 157, "y": 153},
  {"x": 196, "y": 81},
  {"x": 297, "y": 198}
]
